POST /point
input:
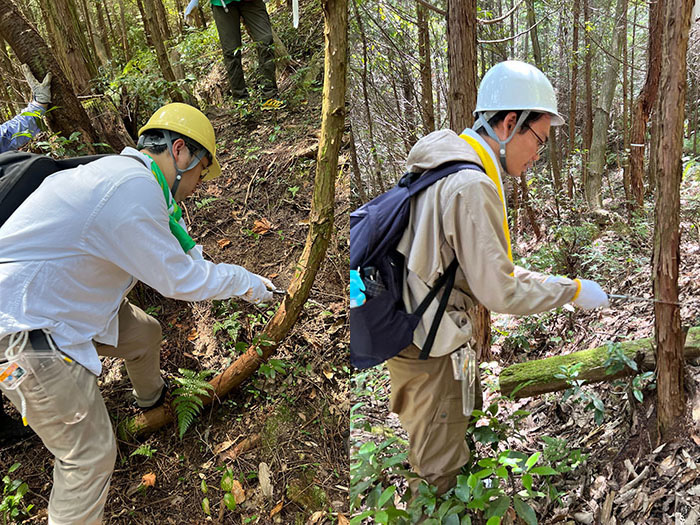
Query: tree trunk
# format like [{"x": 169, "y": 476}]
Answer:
[
  {"x": 162, "y": 19},
  {"x": 588, "y": 120},
  {"x": 668, "y": 336},
  {"x": 104, "y": 34},
  {"x": 320, "y": 225},
  {"x": 538, "y": 376},
  {"x": 377, "y": 171},
  {"x": 357, "y": 173},
  {"x": 593, "y": 187},
  {"x": 461, "y": 53},
  {"x": 124, "y": 39},
  {"x": 69, "y": 43},
  {"x": 461, "y": 101},
  {"x": 157, "y": 41},
  {"x": 528, "y": 209},
  {"x": 645, "y": 101},
  {"x": 572, "y": 101},
  {"x": 426, "y": 74},
  {"x": 31, "y": 49},
  {"x": 409, "y": 116}
]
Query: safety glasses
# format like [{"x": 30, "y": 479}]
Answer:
[{"x": 542, "y": 144}]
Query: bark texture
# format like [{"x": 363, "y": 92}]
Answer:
[
  {"x": 668, "y": 335},
  {"x": 461, "y": 53}
]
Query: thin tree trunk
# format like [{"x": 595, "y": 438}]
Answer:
[
  {"x": 92, "y": 40},
  {"x": 572, "y": 106},
  {"x": 162, "y": 19},
  {"x": 593, "y": 186},
  {"x": 461, "y": 52},
  {"x": 426, "y": 75},
  {"x": 157, "y": 41},
  {"x": 320, "y": 226},
  {"x": 671, "y": 402},
  {"x": 377, "y": 169},
  {"x": 645, "y": 101},
  {"x": 31, "y": 49},
  {"x": 357, "y": 173},
  {"x": 409, "y": 116},
  {"x": 588, "y": 120},
  {"x": 528, "y": 209},
  {"x": 125, "y": 40}
]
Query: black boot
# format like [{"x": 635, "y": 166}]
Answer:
[{"x": 11, "y": 430}]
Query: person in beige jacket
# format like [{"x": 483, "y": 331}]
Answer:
[{"x": 464, "y": 216}]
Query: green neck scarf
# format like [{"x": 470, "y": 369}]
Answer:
[{"x": 174, "y": 210}]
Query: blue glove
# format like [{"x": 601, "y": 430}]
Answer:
[{"x": 357, "y": 298}]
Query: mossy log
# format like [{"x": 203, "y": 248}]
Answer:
[{"x": 538, "y": 376}]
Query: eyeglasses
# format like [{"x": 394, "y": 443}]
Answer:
[
  {"x": 542, "y": 144},
  {"x": 205, "y": 170}
]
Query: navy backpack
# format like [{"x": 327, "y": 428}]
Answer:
[{"x": 381, "y": 328}]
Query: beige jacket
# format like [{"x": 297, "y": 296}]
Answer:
[{"x": 462, "y": 215}]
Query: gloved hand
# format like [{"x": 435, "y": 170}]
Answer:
[
  {"x": 357, "y": 298},
  {"x": 591, "y": 295},
  {"x": 260, "y": 290},
  {"x": 41, "y": 91},
  {"x": 190, "y": 7}
]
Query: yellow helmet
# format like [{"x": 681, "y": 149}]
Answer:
[{"x": 190, "y": 122}]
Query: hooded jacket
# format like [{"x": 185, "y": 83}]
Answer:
[{"x": 462, "y": 216}]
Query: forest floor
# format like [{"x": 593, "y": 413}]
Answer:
[
  {"x": 291, "y": 417},
  {"x": 624, "y": 446}
]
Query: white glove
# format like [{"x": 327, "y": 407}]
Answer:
[
  {"x": 260, "y": 290},
  {"x": 591, "y": 295},
  {"x": 41, "y": 91}
]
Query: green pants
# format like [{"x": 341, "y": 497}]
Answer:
[{"x": 257, "y": 22}]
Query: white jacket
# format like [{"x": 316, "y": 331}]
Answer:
[{"x": 79, "y": 243}]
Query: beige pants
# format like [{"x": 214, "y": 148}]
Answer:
[
  {"x": 428, "y": 401},
  {"x": 85, "y": 452}
]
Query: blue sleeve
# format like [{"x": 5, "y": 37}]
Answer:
[{"x": 19, "y": 124}]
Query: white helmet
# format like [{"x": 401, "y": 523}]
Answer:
[{"x": 514, "y": 85}]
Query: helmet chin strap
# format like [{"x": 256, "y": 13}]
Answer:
[
  {"x": 178, "y": 172},
  {"x": 501, "y": 143}
]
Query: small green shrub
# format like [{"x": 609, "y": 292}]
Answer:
[{"x": 188, "y": 403}]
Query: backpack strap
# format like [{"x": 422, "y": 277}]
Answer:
[
  {"x": 447, "y": 280},
  {"x": 417, "y": 182}
]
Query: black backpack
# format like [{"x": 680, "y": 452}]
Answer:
[
  {"x": 21, "y": 173},
  {"x": 381, "y": 328}
]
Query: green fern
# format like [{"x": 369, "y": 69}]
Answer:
[
  {"x": 144, "y": 450},
  {"x": 188, "y": 403}
]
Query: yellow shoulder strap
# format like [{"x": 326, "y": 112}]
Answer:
[{"x": 492, "y": 174}]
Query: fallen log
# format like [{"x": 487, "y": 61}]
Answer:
[
  {"x": 320, "y": 232},
  {"x": 538, "y": 376}
]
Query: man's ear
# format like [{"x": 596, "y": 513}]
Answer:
[
  {"x": 510, "y": 121},
  {"x": 178, "y": 147}
]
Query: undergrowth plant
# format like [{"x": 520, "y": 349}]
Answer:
[
  {"x": 188, "y": 403},
  {"x": 498, "y": 478},
  {"x": 13, "y": 508}
]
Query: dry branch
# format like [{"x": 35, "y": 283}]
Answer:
[
  {"x": 320, "y": 229},
  {"x": 540, "y": 373}
]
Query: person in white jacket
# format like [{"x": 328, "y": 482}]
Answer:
[
  {"x": 68, "y": 257},
  {"x": 463, "y": 216}
]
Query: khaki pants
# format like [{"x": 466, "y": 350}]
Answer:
[
  {"x": 85, "y": 452},
  {"x": 428, "y": 401}
]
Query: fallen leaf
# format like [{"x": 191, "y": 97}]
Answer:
[
  {"x": 342, "y": 520},
  {"x": 328, "y": 373},
  {"x": 265, "y": 480},
  {"x": 223, "y": 243},
  {"x": 224, "y": 445},
  {"x": 273, "y": 276},
  {"x": 262, "y": 226},
  {"x": 193, "y": 335},
  {"x": 277, "y": 508},
  {"x": 148, "y": 480},
  {"x": 238, "y": 492},
  {"x": 316, "y": 517},
  {"x": 242, "y": 447}
]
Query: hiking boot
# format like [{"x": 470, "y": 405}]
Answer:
[
  {"x": 12, "y": 431},
  {"x": 164, "y": 394}
]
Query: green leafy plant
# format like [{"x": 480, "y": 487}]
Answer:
[
  {"x": 12, "y": 507},
  {"x": 144, "y": 450},
  {"x": 293, "y": 190},
  {"x": 272, "y": 368},
  {"x": 188, "y": 403},
  {"x": 205, "y": 202},
  {"x": 590, "y": 400}
]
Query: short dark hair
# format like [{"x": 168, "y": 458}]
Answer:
[
  {"x": 153, "y": 140},
  {"x": 501, "y": 115}
]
